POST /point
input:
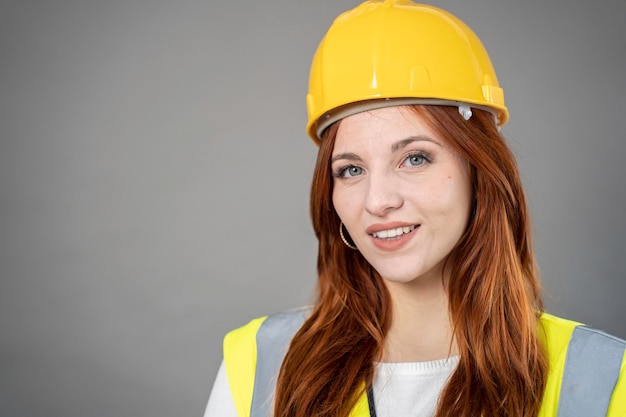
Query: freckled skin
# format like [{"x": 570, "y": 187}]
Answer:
[{"x": 391, "y": 187}]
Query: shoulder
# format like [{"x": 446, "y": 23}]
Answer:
[
  {"x": 253, "y": 354},
  {"x": 584, "y": 363},
  {"x": 560, "y": 335},
  {"x": 555, "y": 333},
  {"x": 268, "y": 335},
  {"x": 274, "y": 328}
]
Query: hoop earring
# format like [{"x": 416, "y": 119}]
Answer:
[{"x": 347, "y": 242}]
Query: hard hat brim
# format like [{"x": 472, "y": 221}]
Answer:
[{"x": 323, "y": 122}]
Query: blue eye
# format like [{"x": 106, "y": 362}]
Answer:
[
  {"x": 351, "y": 171},
  {"x": 348, "y": 172},
  {"x": 415, "y": 159}
]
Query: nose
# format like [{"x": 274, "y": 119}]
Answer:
[{"x": 383, "y": 195}]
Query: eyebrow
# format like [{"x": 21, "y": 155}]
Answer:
[
  {"x": 401, "y": 144},
  {"x": 348, "y": 156},
  {"x": 395, "y": 147}
]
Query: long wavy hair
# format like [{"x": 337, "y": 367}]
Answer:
[{"x": 493, "y": 291}]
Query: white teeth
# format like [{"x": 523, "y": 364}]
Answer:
[{"x": 391, "y": 233}]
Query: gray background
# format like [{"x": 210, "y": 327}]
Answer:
[{"x": 154, "y": 179}]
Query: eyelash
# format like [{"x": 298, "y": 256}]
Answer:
[
  {"x": 340, "y": 173},
  {"x": 426, "y": 157}
]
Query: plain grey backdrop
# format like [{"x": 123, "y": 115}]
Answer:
[{"x": 154, "y": 180}]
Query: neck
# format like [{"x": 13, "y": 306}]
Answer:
[{"x": 420, "y": 326}]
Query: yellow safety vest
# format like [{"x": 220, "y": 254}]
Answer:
[{"x": 587, "y": 376}]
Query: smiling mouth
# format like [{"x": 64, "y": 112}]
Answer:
[{"x": 393, "y": 234}]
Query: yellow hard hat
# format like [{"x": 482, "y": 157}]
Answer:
[{"x": 395, "y": 52}]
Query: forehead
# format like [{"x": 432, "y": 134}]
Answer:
[{"x": 377, "y": 128}]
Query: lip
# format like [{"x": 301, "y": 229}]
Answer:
[
  {"x": 394, "y": 243},
  {"x": 378, "y": 227}
]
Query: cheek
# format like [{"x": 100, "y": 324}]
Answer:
[
  {"x": 340, "y": 203},
  {"x": 462, "y": 200},
  {"x": 465, "y": 195},
  {"x": 346, "y": 201},
  {"x": 455, "y": 197}
]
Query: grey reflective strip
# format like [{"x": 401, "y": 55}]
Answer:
[
  {"x": 272, "y": 341},
  {"x": 592, "y": 368}
]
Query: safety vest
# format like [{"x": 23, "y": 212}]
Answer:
[{"x": 587, "y": 376}]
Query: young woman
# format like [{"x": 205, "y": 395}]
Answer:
[{"x": 429, "y": 302}]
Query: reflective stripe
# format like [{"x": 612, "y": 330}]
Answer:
[
  {"x": 592, "y": 368},
  {"x": 272, "y": 341}
]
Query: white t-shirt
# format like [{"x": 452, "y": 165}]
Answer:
[{"x": 407, "y": 389}]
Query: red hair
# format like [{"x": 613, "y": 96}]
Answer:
[{"x": 493, "y": 291}]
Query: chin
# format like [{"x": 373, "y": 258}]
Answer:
[{"x": 392, "y": 274}]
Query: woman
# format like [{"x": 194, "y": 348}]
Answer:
[{"x": 429, "y": 301}]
